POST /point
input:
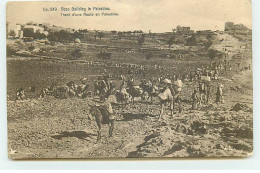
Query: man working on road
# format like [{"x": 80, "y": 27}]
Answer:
[
  {"x": 20, "y": 94},
  {"x": 106, "y": 108},
  {"x": 166, "y": 96},
  {"x": 219, "y": 94},
  {"x": 195, "y": 99}
]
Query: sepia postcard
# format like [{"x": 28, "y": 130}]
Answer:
[{"x": 136, "y": 79}]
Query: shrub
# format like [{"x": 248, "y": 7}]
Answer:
[
  {"x": 149, "y": 56},
  {"x": 31, "y": 48},
  {"x": 10, "y": 51},
  {"x": 104, "y": 55},
  {"x": 76, "y": 54}
]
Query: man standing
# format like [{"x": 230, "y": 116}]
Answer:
[
  {"x": 106, "y": 108},
  {"x": 20, "y": 94},
  {"x": 219, "y": 94},
  {"x": 176, "y": 91},
  {"x": 166, "y": 96},
  {"x": 190, "y": 76},
  {"x": 195, "y": 100},
  {"x": 202, "y": 91},
  {"x": 208, "y": 89}
]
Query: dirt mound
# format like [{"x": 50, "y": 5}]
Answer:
[
  {"x": 176, "y": 147},
  {"x": 239, "y": 106},
  {"x": 195, "y": 152},
  {"x": 241, "y": 132},
  {"x": 198, "y": 127},
  {"x": 195, "y": 127},
  {"x": 209, "y": 107}
]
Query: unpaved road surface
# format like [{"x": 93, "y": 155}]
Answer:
[
  {"x": 63, "y": 128},
  {"x": 54, "y": 128}
]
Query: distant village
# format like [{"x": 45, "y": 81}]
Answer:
[
  {"x": 20, "y": 30},
  {"x": 42, "y": 30}
]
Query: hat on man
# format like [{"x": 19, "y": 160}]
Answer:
[
  {"x": 83, "y": 79},
  {"x": 167, "y": 81},
  {"x": 112, "y": 99},
  {"x": 20, "y": 89}
]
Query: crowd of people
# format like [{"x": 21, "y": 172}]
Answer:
[{"x": 166, "y": 87}]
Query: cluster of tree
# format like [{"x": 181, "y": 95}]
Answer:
[
  {"x": 141, "y": 40},
  {"x": 83, "y": 31},
  {"x": 99, "y": 35},
  {"x": 170, "y": 41},
  {"x": 12, "y": 34},
  {"x": 214, "y": 54},
  {"x": 207, "y": 44},
  {"x": 136, "y": 32},
  {"x": 128, "y": 32},
  {"x": 35, "y": 35},
  {"x": 191, "y": 41},
  {"x": 120, "y": 33},
  {"x": 64, "y": 36}
]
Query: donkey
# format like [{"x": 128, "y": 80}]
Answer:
[
  {"x": 101, "y": 117},
  {"x": 134, "y": 91}
]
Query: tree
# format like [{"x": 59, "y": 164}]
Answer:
[
  {"x": 12, "y": 33},
  {"x": 96, "y": 34},
  {"x": 53, "y": 36},
  {"x": 28, "y": 33},
  {"x": 212, "y": 54},
  {"x": 100, "y": 35},
  {"x": 78, "y": 34},
  {"x": 120, "y": 34},
  {"x": 61, "y": 36},
  {"x": 170, "y": 42},
  {"x": 38, "y": 35},
  {"x": 113, "y": 32},
  {"x": 10, "y": 51},
  {"x": 141, "y": 40},
  {"x": 209, "y": 36},
  {"x": 65, "y": 36},
  {"x": 191, "y": 41},
  {"x": 207, "y": 44},
  {"x": 83, "y": 31}
]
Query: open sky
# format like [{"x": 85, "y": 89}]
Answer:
[{"x": 154, "y": 15}]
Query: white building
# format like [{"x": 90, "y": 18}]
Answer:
[{"x": 15, "y": 28}]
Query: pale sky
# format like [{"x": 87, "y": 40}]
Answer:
[{"x": 154, "y": 15}]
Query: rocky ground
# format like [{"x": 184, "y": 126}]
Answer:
[{"x": 54, "y": 128}]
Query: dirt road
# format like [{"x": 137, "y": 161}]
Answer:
[{"x": 54, "y": 128}]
